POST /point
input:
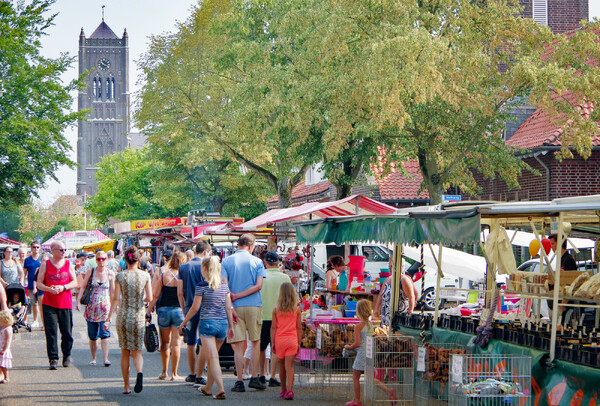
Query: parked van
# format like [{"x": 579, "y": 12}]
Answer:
[{"x": 377, "y": 256}]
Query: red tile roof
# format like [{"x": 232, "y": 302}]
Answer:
[
  {"x": 302, "y": 190},
  {"x": 538, "y": 130},
  {"x": 397, "y": 186}
]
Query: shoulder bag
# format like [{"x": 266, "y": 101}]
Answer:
[
  {"x": 87, "y": 293},
  {"x": 150, "y": 336}
]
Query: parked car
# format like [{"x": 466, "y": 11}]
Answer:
[{"x": 448, "y": 284}]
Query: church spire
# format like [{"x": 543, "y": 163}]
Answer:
[{"x": 103, "y": 12}]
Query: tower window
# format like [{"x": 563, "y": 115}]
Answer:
[
  {"x": 113, "y": 87},
  {"x": 99, "y": 88},
  {"x": 94, "y": 90},
  {"x": 108, "y": 89}
]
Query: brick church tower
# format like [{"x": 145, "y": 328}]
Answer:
[{"x": 106, "y": 59}]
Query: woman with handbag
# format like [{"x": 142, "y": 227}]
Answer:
[
  {"x": 169, "y": 314},
  {"x": 133, "y": 285},
  {"x": 99, "y": 284}
]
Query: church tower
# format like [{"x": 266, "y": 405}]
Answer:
[{"x": 106, "y": 130}]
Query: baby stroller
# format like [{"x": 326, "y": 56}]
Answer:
[{"x": 17, "y": 302}]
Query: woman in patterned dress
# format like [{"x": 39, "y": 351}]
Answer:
[
  {"x": 131, "y": 291},
  {"x": 96, "y": 311},
  {"x": 406, "y": 301}
]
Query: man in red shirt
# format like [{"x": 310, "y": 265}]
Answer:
[{"x": 56, "y": 278}]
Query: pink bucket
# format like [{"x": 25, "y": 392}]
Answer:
[{"x": 356, "y": 265}]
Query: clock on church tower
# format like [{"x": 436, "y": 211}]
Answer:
[{"x": 105, "y": 58}]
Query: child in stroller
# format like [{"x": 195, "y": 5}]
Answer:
[{"x": 17, "y": 302}]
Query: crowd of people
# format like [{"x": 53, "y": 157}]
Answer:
[{"x": 196, "y": 298}]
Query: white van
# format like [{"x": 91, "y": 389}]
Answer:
[{"x": 377, "y": 258}]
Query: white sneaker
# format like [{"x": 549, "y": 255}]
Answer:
[
  {"x": 35, "y": 324},
  {"x": 246, "y": 377}
]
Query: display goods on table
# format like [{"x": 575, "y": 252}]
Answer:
[
  {"x": 433, "y": 371},
  {"x": 489, "y": 380}
]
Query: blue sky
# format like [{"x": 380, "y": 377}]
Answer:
[{"x": 142, "y": 18}]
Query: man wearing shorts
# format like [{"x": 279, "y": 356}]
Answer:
[
  {"x": 245, "y": 273},
  {"x": 270, "y": 292},
  {"x": 31, "y": 264},
  {"x": 190, "y": 275}
]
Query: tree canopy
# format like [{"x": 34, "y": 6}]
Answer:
[
  {"x": 280, "y": 85},
  {"x": 35, "y": 106}
]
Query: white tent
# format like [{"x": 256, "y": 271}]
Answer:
[{"x": 523, "y": 239}]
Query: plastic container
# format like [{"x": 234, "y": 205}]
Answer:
[
  {"x": 356, "y": 264},
  {"x": 351, "y": 304},
  {"x": 350, "y": 313},
  {"x": 381, "y": 280}
]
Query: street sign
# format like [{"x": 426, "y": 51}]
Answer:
[{"x": 451, "y": 198}]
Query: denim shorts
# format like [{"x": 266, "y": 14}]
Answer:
[
  {"x": 169, "y": 317},
  {"x": 96, "y": 330},
  {"x": 216, "y": 328}
]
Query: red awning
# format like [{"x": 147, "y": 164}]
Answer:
[{"x": 353, "y": 205}]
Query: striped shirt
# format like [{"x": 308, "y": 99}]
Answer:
[{"x": 213, "y": 301}]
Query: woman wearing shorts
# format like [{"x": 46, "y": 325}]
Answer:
[
  {"x": 169, "y": 314},
  {"x": 213, "y": 300},
  {"x": 97, "y": 309}
]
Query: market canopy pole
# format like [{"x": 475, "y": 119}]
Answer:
[
  {"x": 559, "y": 240},
  {"x": 396, "y": 277}
]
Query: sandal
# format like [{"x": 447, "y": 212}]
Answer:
[
  {"x": 204, "y": 392},
  {"x": 162, "y": 377},
  {"x": 220, "y": 396},
  {"x": 92, "y": 362},
  {"x": 107, "y": 363},
  {"x": 127, "y": 392},
  {"x": 139, "y": 383}
]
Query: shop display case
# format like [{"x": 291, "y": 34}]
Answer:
[
  {"x": 489, "y": 380},
  {"x": 433, "y": 371},
  {"x": 390, "y": 372}
]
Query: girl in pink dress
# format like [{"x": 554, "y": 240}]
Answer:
[{"x": 6, "y": 332}]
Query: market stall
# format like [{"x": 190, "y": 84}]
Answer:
[{"x": 453, "y": 225}]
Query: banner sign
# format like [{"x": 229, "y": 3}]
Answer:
[{"x": 158, "y": 223}]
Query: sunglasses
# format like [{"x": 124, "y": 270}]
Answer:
[
  {"x": 60, "y": 249},
  {"x": 100, "y": 259},
  {"x": 36, "y": 247}
]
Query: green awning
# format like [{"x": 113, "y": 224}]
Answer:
[{"x": 446, "y": 228}]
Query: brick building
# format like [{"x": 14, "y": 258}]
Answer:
[
  {"x": 571, "y": 177},
  {"x": 560, "y": 15}
]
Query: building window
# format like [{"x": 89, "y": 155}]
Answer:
[
  {"x": 540, "y": 11},
  {"x": 94, "y": 90},
  {"x": 108, "y": 89},
  {"x": 113, "y": 87},
  {"x": 314, "y": 175},
  {"x": 99, "y": 88}
]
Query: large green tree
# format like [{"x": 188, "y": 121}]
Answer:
[
  {"x": 125, "y": 188},
  {"x": 35, "y": 106}
]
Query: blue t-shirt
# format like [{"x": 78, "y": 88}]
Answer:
[
  {"x": 191, "y": 275},
  {"x": 241, "y": 270},
  {"x": 31, "y": 265},
  {"x": 213, "y": 301}
]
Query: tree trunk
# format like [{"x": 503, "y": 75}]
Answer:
[
  {"x": 431, "y": 177},
  {"x": 284, "y": 193},
  {"x": 217, "y": 205}
]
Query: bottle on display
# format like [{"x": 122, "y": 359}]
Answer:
[
  {"x": 343, "y": 285},
  {"x": 354, "y": 284},
  {"x": 333, "y": 285}
]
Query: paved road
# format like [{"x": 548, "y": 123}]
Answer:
[{"x": 32, "y": 382}]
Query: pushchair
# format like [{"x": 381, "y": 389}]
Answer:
[{"x": 17, "y": 302}]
